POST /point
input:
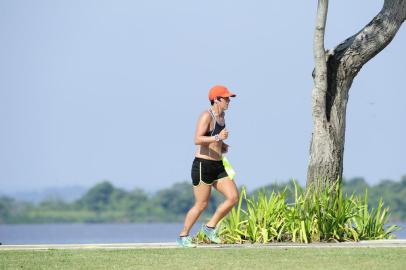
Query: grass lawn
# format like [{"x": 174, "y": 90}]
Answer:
[{"x": 207, "y": 258}]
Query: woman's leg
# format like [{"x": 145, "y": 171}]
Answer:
[
  {"x": 202, "y": 194},
  {"x": 228, "y": 188}
]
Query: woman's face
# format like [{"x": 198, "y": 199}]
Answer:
[{"x": 224, "y": 102}]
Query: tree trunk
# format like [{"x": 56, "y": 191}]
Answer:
[{"x": 333, "y": 75}]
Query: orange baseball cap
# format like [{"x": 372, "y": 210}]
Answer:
[{"x": 220, "y": 91}]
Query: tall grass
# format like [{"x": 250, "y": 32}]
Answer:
[{"x": 315, "y": 215}]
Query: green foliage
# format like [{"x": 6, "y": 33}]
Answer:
[
  {"x": 6, "y": 204},
  {"x": 177, "y": 199},
  {"x": 107, "y": 203},
  {"x": 315, "y": 215},
  {"x": 287, "y": 188},
  {"x": 393, "y": 193},
  {"x": 98, "y": 197}
]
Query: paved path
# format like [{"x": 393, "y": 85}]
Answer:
[{"x": 401, "y": 243}]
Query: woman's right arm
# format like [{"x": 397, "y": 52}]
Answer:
[{"x": 203, "y": 124}]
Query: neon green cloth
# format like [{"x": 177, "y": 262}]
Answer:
[{"x": 229, "y": 169}]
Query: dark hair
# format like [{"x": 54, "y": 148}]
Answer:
[{"x": 212, "y": 101}]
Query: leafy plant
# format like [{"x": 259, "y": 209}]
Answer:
[{"x": 317, "y": 214}]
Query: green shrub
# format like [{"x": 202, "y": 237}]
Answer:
[{"x": 315, "y": 215}]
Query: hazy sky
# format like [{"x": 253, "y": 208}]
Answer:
[{"x": 94, "y": 90}]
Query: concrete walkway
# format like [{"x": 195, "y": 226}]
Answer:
[{"x": 400, "y": 243}]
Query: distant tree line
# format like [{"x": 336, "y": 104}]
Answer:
[{"x": 106, "y": 203}]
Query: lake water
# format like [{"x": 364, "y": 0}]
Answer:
[{"x": 100, "y": 233}]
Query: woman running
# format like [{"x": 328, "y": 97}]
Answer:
[{"x": 208, "y": 169}]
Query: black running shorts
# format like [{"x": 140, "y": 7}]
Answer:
[{"x": 207, "y": 171}]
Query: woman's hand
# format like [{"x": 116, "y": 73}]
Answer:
[{"x": 223, "y": 135}]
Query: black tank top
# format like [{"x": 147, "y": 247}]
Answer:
[{"x": 217, "y": 127}]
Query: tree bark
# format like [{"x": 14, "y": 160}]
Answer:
[{"x": 333, "y": 75}]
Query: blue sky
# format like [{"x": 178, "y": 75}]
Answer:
[{"x": 94, "y": 90}]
